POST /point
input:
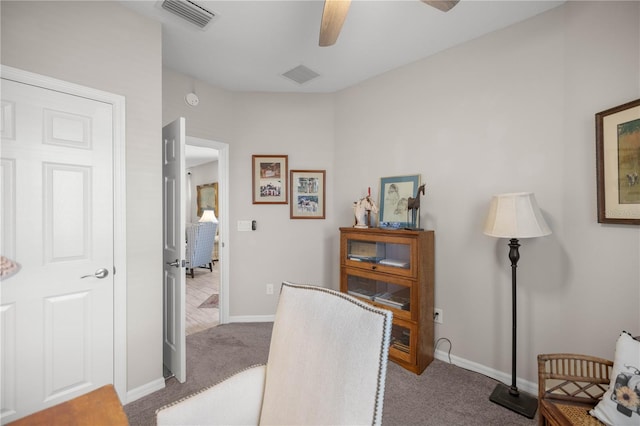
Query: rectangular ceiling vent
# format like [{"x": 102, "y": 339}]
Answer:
[
  {"x": 301, "y": 74},
  {"x": 189, "y": 11}
]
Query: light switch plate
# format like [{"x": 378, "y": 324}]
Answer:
[{"x": 244, "y": 225}]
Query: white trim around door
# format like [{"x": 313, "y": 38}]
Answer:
[{"x": 119, "y": 214}]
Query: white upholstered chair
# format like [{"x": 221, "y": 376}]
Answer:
[{"x": 327, "y": 365}]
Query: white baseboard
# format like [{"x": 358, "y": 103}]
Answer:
[
  {"x": 144, "y": 390},
  {"x": 252, "y": 318},
  {"x": 523, "y": 385}
]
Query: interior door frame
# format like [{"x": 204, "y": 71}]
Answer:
[
  {"x": 119, "y": 207},
  {"x": 223, "y": 227}
]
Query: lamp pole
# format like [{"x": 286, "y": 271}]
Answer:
[
  {"x": 514, "y": 256},
  {"x": 510, "y": 397}
]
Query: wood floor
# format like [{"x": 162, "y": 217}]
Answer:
[{"x": 204, "y": 284}]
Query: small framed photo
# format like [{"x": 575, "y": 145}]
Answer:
[
  {"x": 307, "y": 194},
  {"x": 394, "y": 199},
  {"x": 618, "y": 164},
  {"x": 270, "y": 176}
]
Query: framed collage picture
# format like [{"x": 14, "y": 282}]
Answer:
[
  {"x": 307, "y": 194},
  {"x": 270, "y": 176}
]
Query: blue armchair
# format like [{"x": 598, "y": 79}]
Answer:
[{"x": 200, "y": 239}]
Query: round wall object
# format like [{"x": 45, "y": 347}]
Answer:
[{"x": 192, "y": 99}]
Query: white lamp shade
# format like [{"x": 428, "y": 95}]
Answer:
[
  {"x": 515, "y": 215},
  {"x": 208, "y": 215}
]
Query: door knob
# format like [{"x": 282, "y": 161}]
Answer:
[
  {"x": 100, "y": 273},
  {"x": 175, "y": 263}
]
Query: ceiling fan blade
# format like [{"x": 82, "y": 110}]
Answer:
[
  {"x": 333, "y": 16},
  {"x": 443, "y": 5}
]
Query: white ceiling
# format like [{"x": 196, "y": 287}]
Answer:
[
  {"x": 250, "y": 44},
  {"x": 197, "y": 155}
]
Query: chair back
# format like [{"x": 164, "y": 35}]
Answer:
[
  {"x": 200, "y": 239},
  {"x": 573, "y": 377},
  {"x": 327, "y": 360}
]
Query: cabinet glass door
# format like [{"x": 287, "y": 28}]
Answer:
[
  {"x": 402, "y": 347},
  {"x": 392, "y": 255},
  {"x": 392, "y": 293}
]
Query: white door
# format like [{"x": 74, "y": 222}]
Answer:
[
  {"x": 173, "y": 238},
  {"x": 56, "y": 313}
]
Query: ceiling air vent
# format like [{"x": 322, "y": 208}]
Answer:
[
  {"x": 189, "y": 11},
  {"x": 301, "y": 74}
]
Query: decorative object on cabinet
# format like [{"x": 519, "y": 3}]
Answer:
[
  {"x": 394, "y": 197},
  {"x": 308, "y": 192},
  {"x": 270, "y": 174},
  {"x": 394, "y": 269},
  {"x": 413, "y": 205},
  {"x": 362, "y": 211},
  {"x": 515, "y": 216},
  {"x": 618, "y": 164},
  {"x": 207, "y": 197}
]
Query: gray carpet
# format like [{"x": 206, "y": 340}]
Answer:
[{"x": 443, "y": 395}]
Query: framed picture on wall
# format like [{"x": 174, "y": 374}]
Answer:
[
  {"x": 618, "y": 164},
  {"x": 307, "y": 194},
  {"x": 207, "y": 198},
  {"x": 394, "y": 200},
  {"x": 270, "y": 176}
]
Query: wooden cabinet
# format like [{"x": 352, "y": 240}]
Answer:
[{"x": 394, "y": 269}]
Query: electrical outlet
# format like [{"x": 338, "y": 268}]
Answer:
[
  {"x": 438, "y": 315},
  {"x": 269, "y": 289}
]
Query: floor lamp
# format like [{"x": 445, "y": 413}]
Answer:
[{"x": 515, "y": 216}]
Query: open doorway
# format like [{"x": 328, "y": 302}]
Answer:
[
  {"x": 202, "y": 283},
  {"x": 207, "y": 161}
]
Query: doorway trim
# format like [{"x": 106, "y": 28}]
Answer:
[
  {"x": 223, "y": 230},
  {"x": 119, "y": 206}
]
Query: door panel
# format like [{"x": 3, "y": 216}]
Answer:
[
  {"x": 57, "y": 315},
  {"x": 174, "y": 346},
  {"x": 67, "y": 191},
  {"x": 67, "y": 337}
]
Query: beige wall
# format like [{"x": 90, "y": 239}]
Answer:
[
  {"x": 300, "y": 126},
  {"x": 105, "y": 46},
  {"x": 509, "y": 111}
]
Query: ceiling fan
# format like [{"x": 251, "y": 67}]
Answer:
[{"x": 335, "y": 12}]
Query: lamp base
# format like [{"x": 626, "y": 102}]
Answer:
[{"x": 522, "y": 403}]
